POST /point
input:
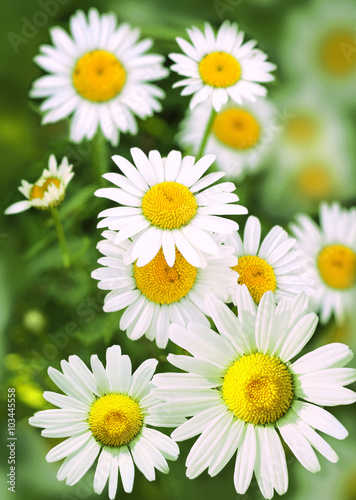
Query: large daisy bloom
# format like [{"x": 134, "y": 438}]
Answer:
[
  {"x": 240, "y": 138},
  {"x": 245, "y": 393},
  {"x": 157, "y": 295},
  {"x": 220, "y": 66},
  {"x": 101, "y": 75},
  {"x": 331, "y": 254},
  {"x": 48, "y": 191},
  {"x": 271, "y": 265},
  {"x": 168, "y": 203},
  {"x": 105, "y": 413}
]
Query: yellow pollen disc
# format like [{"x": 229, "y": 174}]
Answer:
[
  {"x": 115, "y": 419},
  {"x": 219, "y": 69},
  {"x": 315, "y": 182},
  {"x": 256, "y": 274},
  {"x": 98, "y": 76},
  {"x": 302, "y": 129},
  {"x": 236, "y": 128},
  {"x": 258, "y": 388},
  {"x": 338, "y": 52},
  {"x": 163, "y": 284},
  {"x": 38, "y": 191},
  {"x": 169, "y": 205},
  {"x": 337, "y": 266}
]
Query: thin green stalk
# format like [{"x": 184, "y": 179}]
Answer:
[
  {"x": 61, "y": 237},
  {"x": 99, "y": 157},
  {"x": 207, "y": 133}
]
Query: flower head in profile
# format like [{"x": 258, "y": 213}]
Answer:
[
  {"x": 100, "y": 75},
  {"x": 330, "y": 251},
  {"x": 48, "y": 191},
  {"x": 240, "y": 138},
  {"x": 271, "y": 265},
  {"x": 105, "y": 413},
  {"x": 247, "y": 393},
  {"x": 156, "y": 295},
  {"x": 220, "y": 66},
  {"x": 168, "y": 203}
]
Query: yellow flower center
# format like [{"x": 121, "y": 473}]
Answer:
[
  {"x": 163, "y": 284},
  {"x": 315, "y": 182},
  {"x": 256, "y": 274},
  {"x": 219, "y": 69},
  {"x": 99, "y": 76},
  {"x": 337, "y": 266},
  {"x": 258, "y": 388},
  {"x": 302, "y": 129},
  {"x": 39, "y": 190},
  {"x": 236, "y": 128},
  {"x": 115, "y": 419},
  {"x": 338, "y": 52},
  {"x": 169, "y": 205}
]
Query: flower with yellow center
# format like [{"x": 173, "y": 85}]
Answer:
[
  {"x": 106, "y": 413},
  {"x": 221, "y": 66},
  {"x": 245, "y": 392},
  {"x": 271, "y": 265},
  {"x": 241, "y": 136},
  {"x": 48, "y": 191},
  {"x": 325, "y": 51},
  {"x": 168, "y": 203},
  {"x": 96, "y": 75},
  {"x": 157, "y": 294},
  {"x": 330, "y": 252}
]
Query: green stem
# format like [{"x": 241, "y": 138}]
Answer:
[
  {"x": 61, "y": 237},
  {"x": 207, "y": 132},
  {"x": 99, "y": 157}
]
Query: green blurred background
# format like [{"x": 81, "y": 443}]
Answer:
[{"x": 47, "y": 314}]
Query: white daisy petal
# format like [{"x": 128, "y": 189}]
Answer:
[{"x": 245, "y": 460}]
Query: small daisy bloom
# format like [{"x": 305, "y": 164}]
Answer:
[
  {"x": 105, "y": 413},
  {"x": 272, "y": 265},
  {"x": 101, "y": 75},
  {"x": 168, "y": 203},
  {"x": 221, "y": 66},
  {"x": 46, "y": 193},
  {"x": 157, "y": 295},
  {"x": 331, "y": 254},
  {"x": 245, "y": 394},
  {"x": 240, "y": 137}
]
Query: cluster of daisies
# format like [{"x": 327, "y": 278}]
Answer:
[{"x": 178, "y": 271}]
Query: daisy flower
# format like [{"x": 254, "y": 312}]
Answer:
[
  {"x": 48, "y": 191},
  {"x": 100, "y": 75},
  {"x": 245, "y": 394},
  {"x": 312, "y": 160},
  {"x": 331, "y": 254},
  {"x": 240, "y": 135},
  {"x": 168, "y": 204},
  {"x": 323, "y": 54},
  {"x": 271, "y": 265},
  {"x": 105, "y": 413},
  {"x": 157, "y": 295},
  {"x": 220, "y": 66}
]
